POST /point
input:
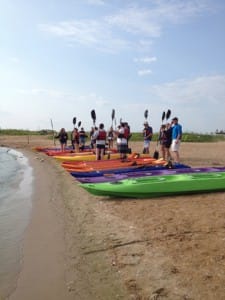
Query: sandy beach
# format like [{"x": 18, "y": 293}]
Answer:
[{"x": 83, "y": 247}]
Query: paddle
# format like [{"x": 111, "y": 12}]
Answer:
[
  {"x": 53, "y": 132},
  {"x": 79, "y": 123},
  {"x": 168, "y": 114},
  {"x": 115, "y": 123},
  {"x": 146, "y": 114},
  {"x": 163, "y": 116},
  {"x": 156, "y": 153},
  {"x": 74, "y": 121},
  {"x": 93, "y": 115},
  {"x": 113, "y": 116}
]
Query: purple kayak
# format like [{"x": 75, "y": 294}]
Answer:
[{"x": 112, "y": 177}]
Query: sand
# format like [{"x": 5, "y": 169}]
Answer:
[{"x": 78, "y": 246}]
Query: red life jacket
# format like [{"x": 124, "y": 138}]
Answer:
[
  {"x": 101, "y": 135},
  {"x": 126, "y": 132}
]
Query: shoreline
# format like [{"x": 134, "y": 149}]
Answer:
[
  {"x": 55, "y": 261},
  {"x": 110, "y": 249},
  {"x": 43, "y": 264}
]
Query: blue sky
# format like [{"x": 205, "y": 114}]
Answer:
[{"x": 61, "y": 59}]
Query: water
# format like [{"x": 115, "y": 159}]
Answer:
[{"x": 15, "y": 207}]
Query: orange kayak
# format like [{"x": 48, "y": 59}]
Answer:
[{"x": 111, "y": 164}]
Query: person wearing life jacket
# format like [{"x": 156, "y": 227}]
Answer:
[
  {"x": 147, "y": 133},
  {"x": 127, "y": 133},
  {"x": 100, "y": 136}
]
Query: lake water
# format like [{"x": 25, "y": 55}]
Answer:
[{"x": 15, "y": 209}]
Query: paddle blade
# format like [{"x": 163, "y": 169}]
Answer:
[
  {"x": 52, "y": 124},
  {"x": 93, "y": 115},
  {"x": 146, "y": 114},
  {"x": 113, "y": 114},
  {"x": 79, "y": 123},
  {"x": 74, "y": 121},
  {"x": 163, "y": 115},
  {"x": 168, "y": 114}
]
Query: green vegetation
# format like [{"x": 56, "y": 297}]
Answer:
[
  {"x": 187, "y": 137},
  {"x": 201, "y": 138},
  {"x": 136, "y": 136}
]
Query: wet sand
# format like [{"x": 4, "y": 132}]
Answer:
[{"x": 79, "y": 246}]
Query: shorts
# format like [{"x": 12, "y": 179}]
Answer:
[
  {"x": 146, "y": 143},
  {"x": 100, "y": 146},
  {"x": 175, "y": 146},
  {"x": 167, "y": 145},
  {"x": 122, "y": 148}
]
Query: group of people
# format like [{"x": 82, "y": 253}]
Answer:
[
  {"x": 78, "y": 139},
  {"x": 169, "y": 139},
  {"x": 100, "y": 138},
  {"x": 170, "y": 136}
]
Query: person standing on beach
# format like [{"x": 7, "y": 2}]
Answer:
[
  {"x": 63, "y": 137},
  {"x": 176, "y": 139},
  {"x": 100, "y": 137},
  {"x": 92, "y": 132},
  {"x": 165, "y": 138},
  {"x": 147, "y": 133},
  {"x": 162, "y": 140},
  {"x": 75, "y": 139},
  {"x": 110, "y": 138},
  {"x": 127, "y": 133},
  {"x": 168, "y": 141},
  {"x": 82, "y": 138},
  {"x": 121, "y": 141}
]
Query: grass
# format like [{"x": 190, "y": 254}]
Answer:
[
  {"x": 136, "y": 136},
  {"x": 187, "y": 137}
]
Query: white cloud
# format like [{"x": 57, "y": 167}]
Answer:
[
  {"x": 137, "y": 21},
  {"x": 199, "y": 91},
  {"x": 149, "y": 21},
  {"x": 146, "y": 60},
  {"x": 144, "y": 72},
  {"x": 199, "y": 102},
  {"x": 89, "y": 33},
  {"x": 112, "y": 32},
  {"x": 96, "y": 2}
]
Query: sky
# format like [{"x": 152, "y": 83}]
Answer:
[{"x": 61, "y": 59}]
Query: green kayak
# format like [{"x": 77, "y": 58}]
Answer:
[{"x": 155, "y": 186}]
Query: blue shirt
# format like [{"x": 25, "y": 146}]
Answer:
[{"x": 177, "y": 130}]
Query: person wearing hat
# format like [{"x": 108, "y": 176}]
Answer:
[
  {"x": 147, "y": 133},
  {"x": 176, "y": 139}
]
